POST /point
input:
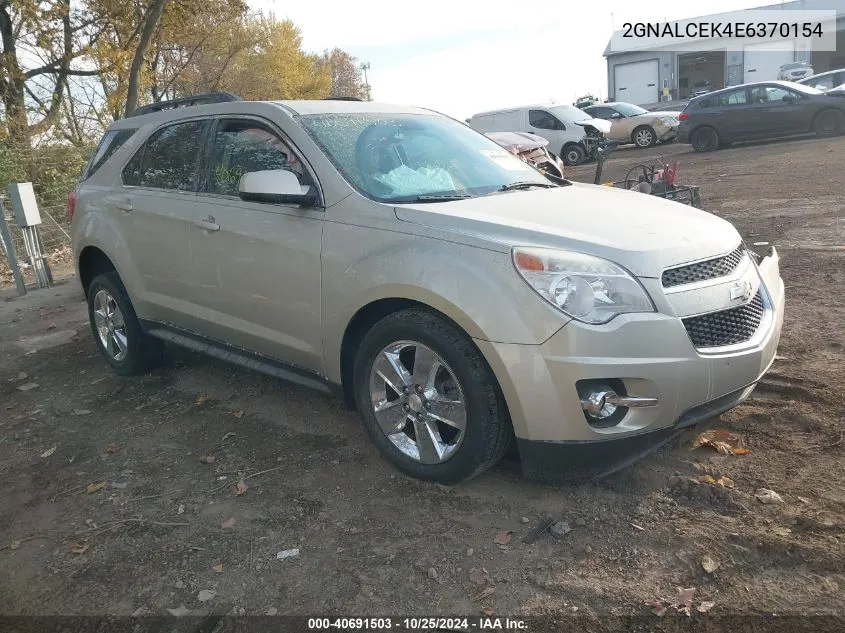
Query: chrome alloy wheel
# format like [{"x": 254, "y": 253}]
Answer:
[
  {"x": 111, "y": 327},
  {"x": 644, "y": 137},
  {"x": 418, "y": 402}
]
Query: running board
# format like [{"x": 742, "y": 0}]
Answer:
[{"x": 241, "y": 357}]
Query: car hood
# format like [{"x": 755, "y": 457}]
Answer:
[
  {"x": 643, "y": 233},
  {"x": 658, "y": 114}
]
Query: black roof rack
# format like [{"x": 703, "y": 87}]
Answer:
[
  {"x": 210, "y": 97},
  {"x": 342, "y": 99}
]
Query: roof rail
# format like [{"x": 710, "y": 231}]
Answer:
[
  {"x": 342, "y": 99},
  {"x": 210, "y": 97}
]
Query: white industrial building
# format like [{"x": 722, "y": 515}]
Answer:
[{"x": 652, "y": 74}]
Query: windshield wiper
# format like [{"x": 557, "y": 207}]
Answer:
[
  {"x": 448, "y": 197},
  {"x": 525, "y": 185}
]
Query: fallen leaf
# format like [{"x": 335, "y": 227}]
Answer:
[
  {"x": 503, "y": 538},
  {"x": 206, "y": 594},
  {"x": 803, "y": 500},
  {"x": 14, "y": 545},
  {"x": 112, "y": 448},
  {"x": 485, "y": 593},
  {"x": 715, "y": 435},
  {"x": 726, "y": 482},
  {"x": 28, "y": 386},
  {"x": 81, "y": 412},
  {"x": 781, "y": 531},
  {"x": 52, "y": 326},
  {"x": 79, "y": 548},
  {"x": 488, "y": 611},
  {"x": 740, "y": 450},
  {"x": 709, "y": 564},
  {"x": 179, "y": 611},
  {"x": 287, "y": 553},
  {"x": 238, "y": 414},
  {"x": 704, "y": 607},
  {"x": 240, "y": 488},
  {"x": 723, "y": 447},
  {"x": 228, "y": 524},
  {"x": 48, "y": 452},
  {"x": 683, "y": 601},
  {"x": 764, "y": 495},
  {"x": 227, "y": 436},
  {"x": 207, "y": 459},
  {"x": 478, "y": 576},
  {"x": 201, "y": 400},
  {"x": 218, "y": 568},
  {"x": 180, "y": 509},
  {"x": 657, "y": 607},
  {"x": 707, "y": 479},
  {"x": 92, "y": 488}
]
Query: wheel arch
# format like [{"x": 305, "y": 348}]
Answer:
[{"x": 93, "y": 262}]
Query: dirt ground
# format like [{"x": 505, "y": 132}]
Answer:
[{"x": 107, "y": 508}]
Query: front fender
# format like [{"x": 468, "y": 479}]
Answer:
[{"x": 476, "y": 288}]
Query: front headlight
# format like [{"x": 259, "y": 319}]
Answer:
[
  {"x": 669, "y": 121},
  {"x": 587, "y": 288}
]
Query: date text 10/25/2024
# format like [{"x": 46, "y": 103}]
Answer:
[{"x": 417, "y": 624}]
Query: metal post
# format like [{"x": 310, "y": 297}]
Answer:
[{"x": 11, "y": 255}]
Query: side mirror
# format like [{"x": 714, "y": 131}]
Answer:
[{"x": 276, "y": 186}]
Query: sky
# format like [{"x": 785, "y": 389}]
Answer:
[{"x": 460, "y": 57}]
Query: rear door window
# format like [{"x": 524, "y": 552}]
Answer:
[
  {"x": 169, "y": 159},
  {"x": 734, "y": 97},
  {"x": 109, "y": 144}
]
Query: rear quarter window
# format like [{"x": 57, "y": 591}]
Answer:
[{"x": 109, "y": 144}]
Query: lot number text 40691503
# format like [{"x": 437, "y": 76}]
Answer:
[{"x": 416, "y": 624}]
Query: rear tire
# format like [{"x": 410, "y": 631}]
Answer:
[
  {"x": 644, "y": 137},
  {"x": 828, "y": 123},
  {"x": 403, "y": 348},
  {"x": 705, "y": 139},
  {"x": 573, "y": 155},
  {"x": 116, "y": 328}
]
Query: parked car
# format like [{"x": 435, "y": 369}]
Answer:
[
  {"x": 632, "y": 124},
  {"x": 572, "y": 133},
  {"x": 794, "y": 71},
  {"x": 451, "y": 293},
  {"x": 759, "y": 110},
  {"x": 825, "y": 81}
]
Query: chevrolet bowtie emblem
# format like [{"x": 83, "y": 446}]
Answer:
[{"x": 741, "y": 290}]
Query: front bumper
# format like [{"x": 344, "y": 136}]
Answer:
[{"x": 653, "y": 357}]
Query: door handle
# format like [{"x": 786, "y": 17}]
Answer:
[{"x": 209, "y": 224}]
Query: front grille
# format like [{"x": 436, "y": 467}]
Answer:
[
  {"x": 728, "y": 327},
  {"x": 709, "y": 269}
]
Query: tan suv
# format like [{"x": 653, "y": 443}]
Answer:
[{"x": 442, "y": 286}]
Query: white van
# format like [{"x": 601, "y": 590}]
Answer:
[{"x": 563, "y": 126}]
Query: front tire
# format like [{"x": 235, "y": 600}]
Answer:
[
  {"x": 573, "y": 155},
  {"x": 644, "y": 137},
  {"x": 428, "y": 399},
  {"x": 116, "y": 328},
  {"x": 828, "y": 123},
  {"x": 705, "y": 139}
]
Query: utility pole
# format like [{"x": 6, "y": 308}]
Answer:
[{"x": 365, "y": 67}]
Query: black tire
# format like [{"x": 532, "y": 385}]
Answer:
[
  {"x": 143, "y": 352},
  {"x": 705, "y": 139},
  {"x": 828, "y": 123},
  {"x": 488, "y": 433},
  {"x": 644, "y": 137},
  {"x": 573, "y": 155}
]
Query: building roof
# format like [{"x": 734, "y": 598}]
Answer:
[{"x": 803, "y": 5}]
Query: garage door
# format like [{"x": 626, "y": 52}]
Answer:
[
  {"x": 763, "y": 61},
  {"x": 636, "y": 82}
]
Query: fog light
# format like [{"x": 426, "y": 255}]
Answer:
[{"x": 600, "y": 404}]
